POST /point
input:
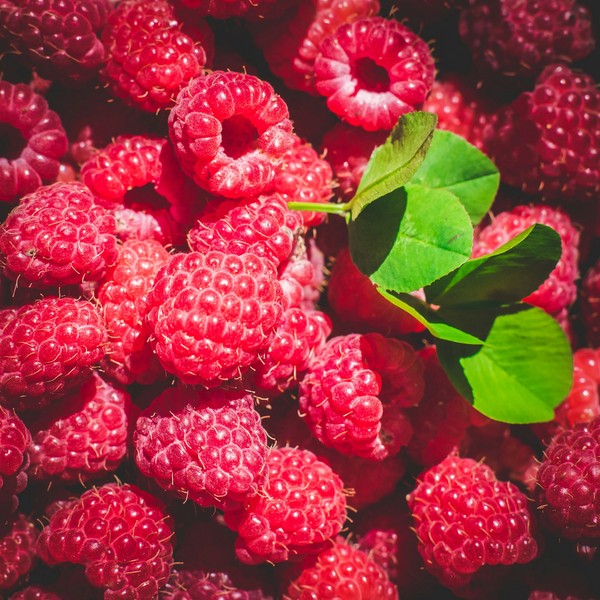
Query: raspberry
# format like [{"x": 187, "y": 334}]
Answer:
[
  {"x": 254, "y": 10},
  {"x": 150, "y": 58},
  {"x": 145, "y": 225},
  {"x": 356, "y": 301},
  {"x": 589, "y": 304},
  {"x": 206, "y": 446},
  {"x": 342, "y": 571},
  {"x": 372, "y": 71},
  {"x": 120, "y": 534},
  {"x": 263, "y": 226},
  {"x": 84, "y": 436},
  {"x": 348, "y": 149},
  {"x": 211, "y": 314},
  {"x": 35, "y": 592},
  {"x": 465, "y": 518},
  {"x": 546, "y": 141},
  {"x": 290, "y": 47},
  {"x": 70, "y": 338},
  {"x": 302, "y": 507},
  {"x": 559, "y": 290},
  {"x": 568, "y": 480},
  {"x": 198, "y": 585},
  {"x": 33, "y": 137},
  {"x": 58, "y": 235},
  {"x": 461, "y": 108},
  {"x": 305, "y": 177},
  {"x": 518, "y": 38},
  {"x": 123, "y": 298},
  {"x": 17, "y": 551},
  {"x": 14, "y": 459},
  {"x": 355, "y": 394},
  {"x": 58, "y": 38},
  {"x": 230, "y": 130}
]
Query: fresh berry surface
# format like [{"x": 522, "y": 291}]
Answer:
[{"x": 299, "y": 299}]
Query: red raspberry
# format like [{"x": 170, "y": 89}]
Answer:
[
  {"x": 34, "y": 138},
  {"x": 59, "y": 38},
  {"x": 17, "y": 551},
  {"x": 123, "y": 298},
  {"x": 546, "y": 142},
  {"x": 372, "y": 71},
  {"x": 150, "y": 58},
  {"x": 70, "y": 338},
  {"x": 518, "y": 38},
  {"x": 84, "y": 436},
  {"x": 302, "y": 508},
  {"x": 254, "y": 10},
  {"x": 291, "y": 46},
  {"x": 465, "y": 518},
  {"x": 348, "y": 150},
  {"x": 145, "y": 225},
  {"x": 230, "y": 130},
  {"x": 58, "y": 235},
  {"x": 14, "y": 459},
  {"x": 263, "y": 226},
  {"x": 589, "y": 304},
  {"x": 35, "y": 592},
  {"x": 211, "y": 314},
  {"x": 303, "y": 176},
  {"x": 355, "y": 394},
  {"x": 357, "y": 303},
  {"x": 559, "y": 290},
  {"x": 568, "y": 491},
  {"x": 207, "y": 446},
  {"x": 297, "y": 275},
  {"x": 342, "y": 571},
  {"x": 461, "y": 108},
  {"x": 199, "y": 585}
]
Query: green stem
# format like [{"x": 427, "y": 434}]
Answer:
[{"x": 328, "y": 207}]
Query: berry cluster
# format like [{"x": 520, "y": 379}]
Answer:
[{"x": 201, "y": 394}]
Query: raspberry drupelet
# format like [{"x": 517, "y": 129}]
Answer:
[
  {"x": 17, "y": 551},
  {"x": 372, "y": 71},
  {"x": 230, "y": 130}
]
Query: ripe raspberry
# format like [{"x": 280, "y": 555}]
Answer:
[
  {"x": 372, "y": 71},
  {"x": 207, "y": 446},
  {"x": 465, "y": 518},
  {"x": 199, "y": 585},
  {"x": 559, "y": 290},
  {"x": 14, "y": 459},
  {"x": 211, "y": 314},
  {"x": 150, "y": 58},
  {"x": 441, "y": 419},
  {"x": 58, "y": 38},
  {"x": 263, "y": 226},
  {"x": 120, "y": 534},
  {"x": 355, "y": 394},
  {"x": 546, "y": 142},
  {"x": 35, "y": 592},
  {"x": 144, "y": 225},
  {"x": 33, "y": 137},
  {"x": 348, "y": 150},
  {"x": 297, "y": 275},
  {"x": 460, "y": 108},
  {"x": 518, "y": 38},
  {"x": 84, "y": 436},
  {"x": 302, "y": 507},
  {"x": 17, "y": 551},
  {"x": 342, "y": 571},
  {"x": 290, "y": 47},
  {"x": 356, "y": 301},
  {"x": 57, "y": 235},
  {"x": 300, "y": 336},
  {"x": 230, "y": 130},
  {"x": 568, "y": 480},
  {"x": 123, "y": 299},
  {"x": 70, "y": 338},
  {"x": 303, "y": 176},
  {"x": 589, "y": 304}
]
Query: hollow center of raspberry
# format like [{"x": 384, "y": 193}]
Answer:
[
  {"x": 12, "y": 142},
  {"x": 370, "y": 76},
  {"x": 145, "y": 197},
  {"x": 238, "y": 136}
]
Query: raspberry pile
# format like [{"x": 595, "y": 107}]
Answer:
[{"x": 201, "y": 395}]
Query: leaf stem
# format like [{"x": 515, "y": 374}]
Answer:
[{"x": 328, "y": 207}]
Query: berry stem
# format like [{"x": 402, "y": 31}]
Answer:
[{"x": 328, "y": 207}]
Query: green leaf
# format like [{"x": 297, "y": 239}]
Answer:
[
  {"x": 522, "y": 372},
  {"x": 507, "y": 275},
  {"x": 410, "y": 237},
  {"x": 394, "y": 162},
  {"x": 432, "y": 319},
  {"x": 454, "y": 165}
]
